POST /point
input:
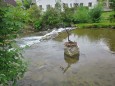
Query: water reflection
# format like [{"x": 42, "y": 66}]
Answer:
[
  {"x": 97, "y": 34},
  {"x": 93, "y": 35},
  {"x": 69, "y": 60}
]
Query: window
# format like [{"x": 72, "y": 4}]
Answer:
[
  {"x": 75, "y": 4},
  {"x": 48, "y": 6},
  {"x": 40, "y": 6},
  {"x": 81, "y": 4},
  {"x": 90, "y": 4}
]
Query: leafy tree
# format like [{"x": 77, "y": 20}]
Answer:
[
  {"x": 12, "y": 64},
  {"x": 27, "y": 3},
  {"x": 81, "y": 15},
  {"x": 35, "y": 15},
  {"x": 67, "y": 15},
  {"x": 95, "y": 13},
  {"x": 51, "y": 19},
  {"x": 112, "y": 4}
]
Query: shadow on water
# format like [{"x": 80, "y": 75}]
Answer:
[{"x": 70, "y": 60}]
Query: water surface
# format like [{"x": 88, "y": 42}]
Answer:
[{"x": 94, "y": 67}]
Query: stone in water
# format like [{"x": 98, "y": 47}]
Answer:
[{"x": 71, "y": 49}]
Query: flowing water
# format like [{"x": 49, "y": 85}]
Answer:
[{"x": 95, "y": 66}]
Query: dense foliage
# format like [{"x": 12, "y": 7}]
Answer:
[
  {"x": 55, "y": 17},
  {"x": 95, "y": 13},
  {"x": 112, "y": 4},
  {"x": 112, "y": 16},
  {"x": 81, "y": 15},
  {"x": 35, "y": 17},
  {"x": 26, "y": 3},
  {"x": 12, "y": 64},
  {"x": 67, "y": 15},
  {"x": 51, "y": 19}
]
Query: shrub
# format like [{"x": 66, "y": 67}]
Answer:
[
  {"x": 51, "y": 19},
  {"x": 81, "y": 15},
  {"x": 112, "y": 4},
  {"x": 67, "y": 15},
  {"x": 112, "y": 17},
  {"x": 95, "y": 13},
  {"x": 27, "y": 3},
  {"x": 35, "y": 15},
  {"x": 12, "y": 65},
  {"x": 37, "y": 24}
]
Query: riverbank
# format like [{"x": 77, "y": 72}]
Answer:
[{"x": 96, "y": 25}]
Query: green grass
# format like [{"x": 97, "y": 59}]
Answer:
[
  {"x": 96, "y": 25},
  {"x": 104, "y": 23},
  {"x": 105, "y": 16}
]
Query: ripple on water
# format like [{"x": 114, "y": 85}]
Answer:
[{"x": 95, "y": 67}]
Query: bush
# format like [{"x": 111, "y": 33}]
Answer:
[
  {"x": 27, "y": 3},
  {"x": 37, "y": 24},
  {"x": 81, "y": 15},
  {"x": 51, "y": 19},
  {"x": 112, "y": 4},
  {"x": 35, "y": 15},
  {"x": 96, "y": 25},
  {"x": 95, "y": 14},
  {"x": 67, "y": 15},
  {"x": 112, "y": 17},
  {"x": 12, "y": 65}
]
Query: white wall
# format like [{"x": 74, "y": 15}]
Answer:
[
  {"x": 85, "y": 2},
  {"x": 53, "y": 2}
]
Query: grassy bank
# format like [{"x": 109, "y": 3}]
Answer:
[
  {"x": 96, "y": 25},
  {"x": 104, "y": 22}
]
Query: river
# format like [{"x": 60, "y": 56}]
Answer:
[{"x": 95, "y": 65}]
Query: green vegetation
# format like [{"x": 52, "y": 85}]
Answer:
[
  {"x": 34, "y": 17},
  {"x": 95, "y": 13},
  {"x": 96, "y": 25},
  {"x": 81, "y": 15},
  {"x": 106, "y": 21},
  {"x": 55, "y": 17},
  {"x": 12, "y": 64},
  {"x": 13, "y": 20},
  {"x": 26, "y": 3},
  {"x": 112, "y": 4},
  {"x": 51, "y": 19}
]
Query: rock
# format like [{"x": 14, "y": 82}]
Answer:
[{"x": 71, "y": 49}]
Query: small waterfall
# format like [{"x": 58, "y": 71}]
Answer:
[{"x": 28, "y": 41}]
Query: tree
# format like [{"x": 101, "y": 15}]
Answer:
[
  {"x": 51, "y": 19},
  {"x": 27, "y": 3},
  {"x": 35, "y": 17},
  {"x": 112, "y": 4},
  {"x": 12, "y": 65},
  {"x": 95, "y": 13},
  {"x": 81, "y": 15}
]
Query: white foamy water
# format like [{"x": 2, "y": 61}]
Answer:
[{"x": 28, "y": 41}]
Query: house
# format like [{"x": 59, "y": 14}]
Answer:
[
  {"x": 45, "y": 4},
  {"x": 33, "y": 1},
  {"x": 12, "y": 2}
]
